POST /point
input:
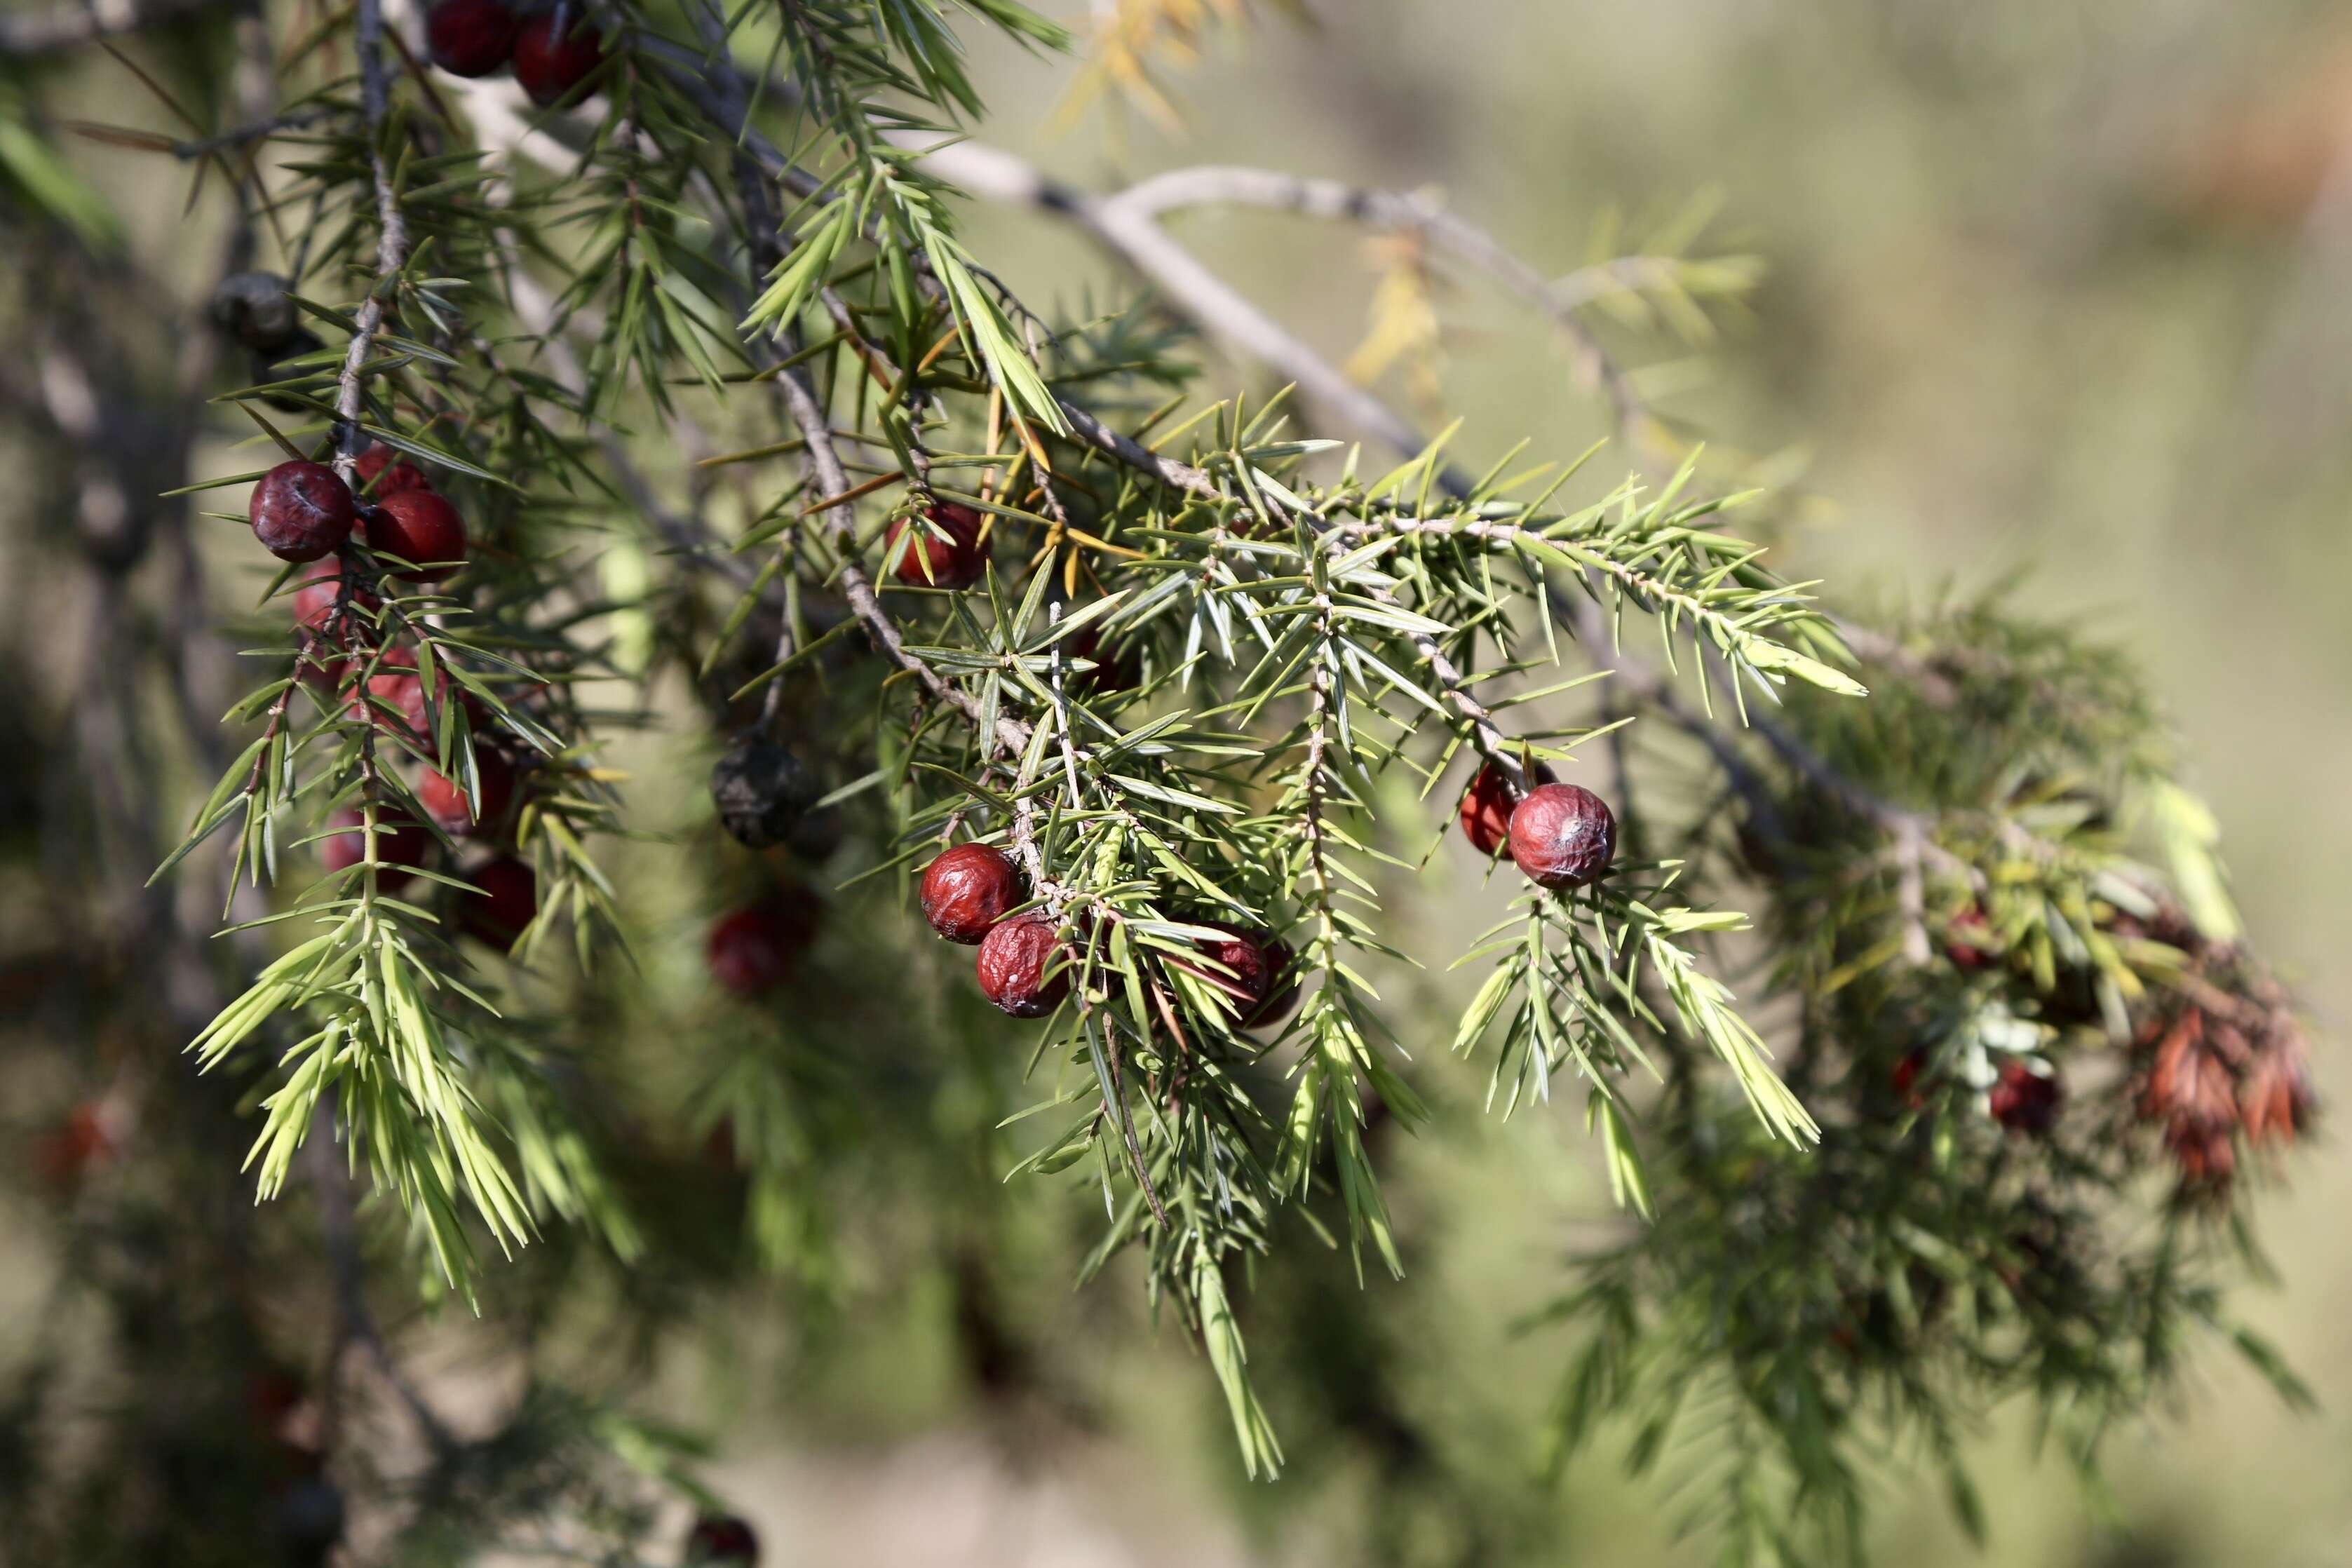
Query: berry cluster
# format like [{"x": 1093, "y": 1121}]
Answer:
[
  {"x": 2026, "y": 1097},
  {"x": 551, "y": 52},
  {"x": 1560, "y": 835},
  {"x": 969, "y": 895},
  {"x": 303, "y": 511},
  {"x": 2218, "y": 1068},
  {"x": 766, "y": 799}
]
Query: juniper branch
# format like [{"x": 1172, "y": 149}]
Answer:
[
  {"x": 1140, "y": 205},
  {"x": 392, "y": 235}
]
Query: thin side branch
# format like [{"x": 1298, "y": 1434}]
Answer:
[
  {"x": 1332, "y": 199},
  {"x": 392, "y": 236}
]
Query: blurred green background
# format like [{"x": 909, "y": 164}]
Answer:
[{"x": 2062, "y": 287}]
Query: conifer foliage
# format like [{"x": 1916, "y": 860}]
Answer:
[{"x": 1892, "y": 988}]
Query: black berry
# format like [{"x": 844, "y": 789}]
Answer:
[
  {"x": 761, "y": 791},
  {"x": 722, "y": 1541},
  {"x": 555, "y": 52},
  {"x": 255, "y": 309},
  {"x": 469, "y": 37}
]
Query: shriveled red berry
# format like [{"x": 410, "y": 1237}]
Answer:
[
  {"x": 1904, "y": 1076},
  {"x": 1283, "y": 980},
  {"x": 1964, "y": 954},
  {"x": 314, "y": 612},
  {"x": 469, "y": 37},
  {"x": 90, "y": 1137},
  {"x": 967, "y": 890},
  {"x": 508, "y": 904},
  {"x": 400, "y": 846},
  {"x": 1244, "y": 977},
  {"x": 301, "y": 511},
  {"x": 554, "y": 53},
  {"x": 1115, "y": 671},
  {"x": 753, "y": 950},
  {"x": 382, "y": 471},
  {"x": 956, "y": 561},
  {"x": 1256, "y": 963},
  {"x": 1014, "y": 960},
  {"x": 396, "y": 685},
  {"x": 722, "y": 1541},
  {"x": 1487, "y": 803},
  {"x": 419, "y": 526},
  {"x": 1562, "y": 835},
  {"x": 2024, "y": 1100},
  {"x": 322, "y": 590},
  {"x": 447, "y": 802}
]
